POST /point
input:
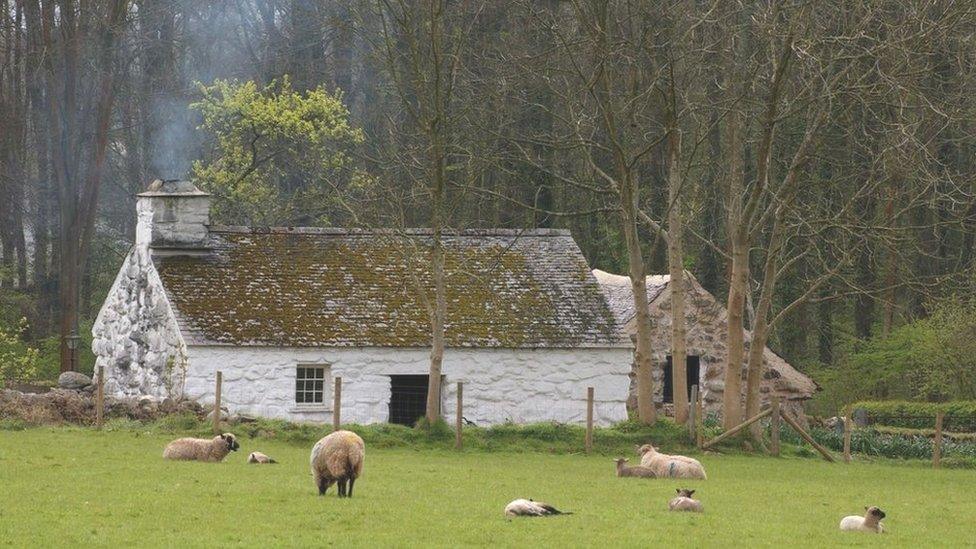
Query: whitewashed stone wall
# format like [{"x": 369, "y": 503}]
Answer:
[
  {"x": 500, "y": 385},
  {"x": 136, "y": 339}
]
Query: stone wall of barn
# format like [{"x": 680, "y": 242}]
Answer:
[
  {"x": 706, "y": 326},
  {"x": 136, "y": 339},
  {"x": 500, "y": 385}
]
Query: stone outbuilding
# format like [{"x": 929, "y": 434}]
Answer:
[
  {"x": 281, "y": 312},
  {"x": 706, "y": 322}
]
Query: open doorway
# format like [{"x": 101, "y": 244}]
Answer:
[
  {"x": 408, "y": 399},
  {"x": 693, "y": 365}
]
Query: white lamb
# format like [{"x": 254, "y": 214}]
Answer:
[
  {"x": 870, "y": 522},
  {"x": 684, "y": 502},
  {"x": 668, "y": 466}
]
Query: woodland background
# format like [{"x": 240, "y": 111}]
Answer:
[{"x": 813, "y": 159}]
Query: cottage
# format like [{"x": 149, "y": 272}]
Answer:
[
  {"x": 706, "y": 338},
  {"x": 282, "y": 311}
]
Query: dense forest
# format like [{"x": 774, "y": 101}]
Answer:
[{"x": 812, "y": 164}]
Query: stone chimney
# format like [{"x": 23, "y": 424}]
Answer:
[{"x": 174, "y": 216}]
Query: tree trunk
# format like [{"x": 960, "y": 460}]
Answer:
[
  {"x": 760, "y": 328},
  {"x": 825, "y": 328},
  {"x": 864, "y": 302},
  {"x": 738, "y": 286},
  {"x": 437, "y": 331},
  {"x": 638, "y": 281},
  {"x": 679, "y": 375},
  {"x": 891, "y": 270}
]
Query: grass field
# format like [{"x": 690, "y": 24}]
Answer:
[{"x": 76, "y": 487}]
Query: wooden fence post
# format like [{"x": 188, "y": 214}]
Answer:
[
  {"x": 589, "y": 419},
  {"x": 459, "y": 418},
  {"x": 848, "y": 425},
  {"x": 937, "y": 450},
  {"x": 100, "y": 398},
  {"x": 337, "y": 404},
  {"x": 774, "y": 423},
  {"x": 216, "y": 410},
  {"x": 693, "y": 418}
]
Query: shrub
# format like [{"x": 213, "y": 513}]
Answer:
[
  {"x": 873, "y": 443},
  {"x": 18, "y": 362},
  {"x": 178, "y": 423},
  {"x": 959, "y": 463},
  {"x": 931, "y": 359},
  {"x": 959, "y": 415}
]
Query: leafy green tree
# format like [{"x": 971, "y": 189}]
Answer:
[
  {"x": 18, "y": 361},
  {"x": 276, "y": 156},
  {"x": 932, "y": 359}
]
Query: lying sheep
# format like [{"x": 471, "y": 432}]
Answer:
[
  {"x": 665, "y": 465},
  {"x": 201, "y": 449},
  {"x": 531, "y": 508},
  {"x": 684, "y": 502},
  {"x": 633, "y": 471},
  {"x": 258, "y": 457},
  {"x": 338, "y": 458},
  {"x": 870, "y": 522}
]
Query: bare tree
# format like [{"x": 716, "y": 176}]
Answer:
[
  {"x": 79, "y": 134},
  {"x": 421, "y": 46}
]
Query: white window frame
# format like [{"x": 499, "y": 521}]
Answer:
[{"x": 327, "y": 389}]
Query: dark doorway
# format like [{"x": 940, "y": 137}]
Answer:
[
  {"x": 693, "y": 365},
  {"x": 408, "y": 399}
]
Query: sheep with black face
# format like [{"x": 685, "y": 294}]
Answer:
[{"x": 202, "y": 449}]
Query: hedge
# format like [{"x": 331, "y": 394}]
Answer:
[
  {"x": 872, "y": 443},
  {"x": 960, "y": 415}
]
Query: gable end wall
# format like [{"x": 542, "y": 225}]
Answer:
[{"x": 136, "y": 339}]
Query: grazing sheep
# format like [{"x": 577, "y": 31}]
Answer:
[
  {"x": 258, "y": 457},
  {"x": 201, "y": 449},
  {"x": 684, "y": 502},
  {"x": 338, "y": 458},
  {"x": 633, "y": 471},
  {"x": 531, "y": 508},
  {"x": 665, "y": 465},
  {"x": 870, "y": 522}
]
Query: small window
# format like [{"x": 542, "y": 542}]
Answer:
[{"x": 310, "y": 384}]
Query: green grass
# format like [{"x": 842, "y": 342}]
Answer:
[{"x": 77, "y": 487}]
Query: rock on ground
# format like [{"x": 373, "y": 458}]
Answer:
[{"x": 73, "y": 380}]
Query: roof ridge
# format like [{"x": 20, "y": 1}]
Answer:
[{"x": 415, "y": 231}]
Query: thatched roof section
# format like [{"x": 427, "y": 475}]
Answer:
[{"x": 707, "y": 325}]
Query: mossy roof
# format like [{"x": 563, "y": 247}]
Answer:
[{"x": 339, "y": 288}]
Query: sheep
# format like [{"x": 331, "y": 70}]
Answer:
[
  {"x": 201, "y": 449},
  {"x": 531, "y": 508},
  {"x": 258, "y": 457},
  {"x": 684, "y": 502},
  {"x": 665, "y": 465},
  {"x": 870, "y": 522},
  {"x": 338, "y": 458},
  {"x": 633, "y": 471}
]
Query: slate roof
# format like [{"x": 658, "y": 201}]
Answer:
[{"x": 345, "y": 287}]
